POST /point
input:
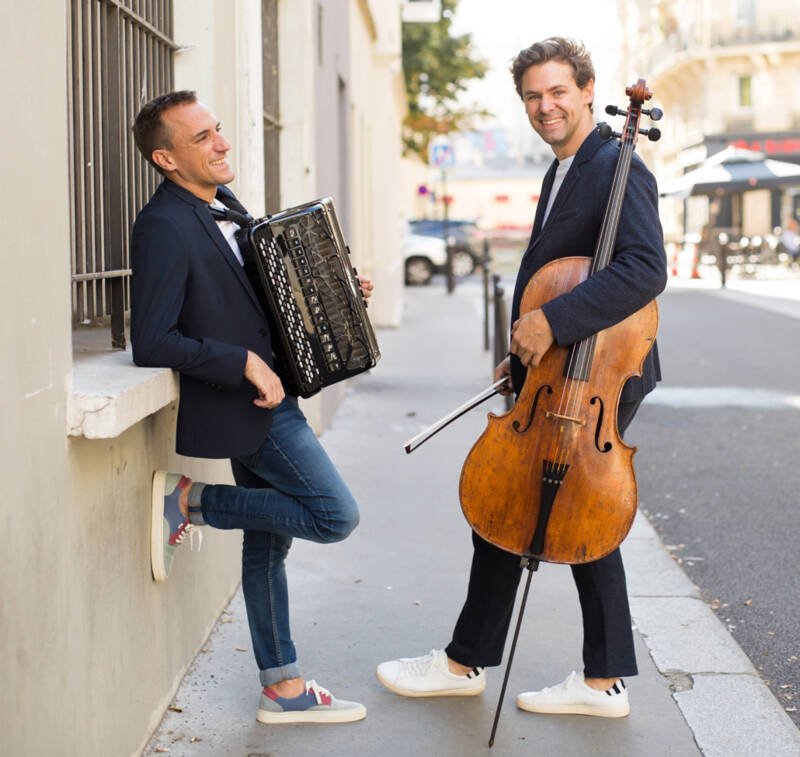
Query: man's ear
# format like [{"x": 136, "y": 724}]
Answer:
[
  {"x": 588, "y": 92},
  {"x": 163, "y": 160}
]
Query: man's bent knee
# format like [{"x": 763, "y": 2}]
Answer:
[{"x": 341, "y": 524}]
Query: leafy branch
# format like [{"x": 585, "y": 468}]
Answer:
[{"x": 437, "y": 67}]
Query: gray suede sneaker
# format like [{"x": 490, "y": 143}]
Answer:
[
  {"x": 314, "y": 705},
  {"x": 169, "y": 526}
]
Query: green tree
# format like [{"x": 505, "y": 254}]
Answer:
[{"x": 437, "y": 66}]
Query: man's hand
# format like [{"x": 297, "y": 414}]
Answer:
[
  {"x": 366, "y": 286},
  {"x": 531, "y": 337},
  {"x": 264, "y": 379},
  {"x": 503, "y": 370}
]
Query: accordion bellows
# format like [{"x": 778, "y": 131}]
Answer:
[{"x": 321, "y": 333}]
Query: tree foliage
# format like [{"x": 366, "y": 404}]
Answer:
[{"x": 437, "y": 66}]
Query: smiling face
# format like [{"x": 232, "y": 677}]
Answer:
[
  {"x": 556, "y": 107},
  {"x": 195, "y": 158}
]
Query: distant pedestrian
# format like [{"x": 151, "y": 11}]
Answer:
[{"x": 791, "y": 239}]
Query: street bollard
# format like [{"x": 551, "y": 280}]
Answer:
[
  {"x": 500, "y": 329},
  {"x": 722, "y": 257},
  {"x": 451, "y": 279}
]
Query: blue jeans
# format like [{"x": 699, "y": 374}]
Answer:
[{"x": 288, "y": 488}]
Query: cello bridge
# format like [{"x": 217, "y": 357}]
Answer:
[{"x": 569, "y": 418}]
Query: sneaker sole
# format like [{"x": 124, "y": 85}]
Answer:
[
  {"x": 312, "y": 716},
  {"x": 157, "y": 525},
  {"x": 439, "y": 693},
  {"x": 574, "y": 709}
]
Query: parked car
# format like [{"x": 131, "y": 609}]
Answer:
[
  {"x": 464, "y": 237},
  {"x": 423, "y": 256}
]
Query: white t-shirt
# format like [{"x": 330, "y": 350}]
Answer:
[
  {"x": 561, "y": 172},
  {"x": 229, "y": 229}
]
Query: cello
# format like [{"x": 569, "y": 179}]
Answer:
[{"x": 551, "y": 480}]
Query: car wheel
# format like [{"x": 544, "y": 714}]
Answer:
[
  {"x": 419, "y": 271},
  {"x": 463, "y": 263}
]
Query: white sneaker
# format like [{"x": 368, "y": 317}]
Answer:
[
  {"x": 574, "y": 697},
  {"x": 429, "y": 676}
]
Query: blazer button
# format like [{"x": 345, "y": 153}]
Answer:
[{"x": 263, "y": 332}]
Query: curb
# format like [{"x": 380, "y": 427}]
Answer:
[{"x": 720, "y": 694}]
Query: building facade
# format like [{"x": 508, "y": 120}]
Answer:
[{"x": 725, "y": 73}]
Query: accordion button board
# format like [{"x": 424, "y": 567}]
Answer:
[{"x": 314, "y": 298}]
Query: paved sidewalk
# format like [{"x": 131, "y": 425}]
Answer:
[{"x": 395, "y": 588}]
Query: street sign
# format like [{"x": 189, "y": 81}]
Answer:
[{"x": 441, "y": 155}]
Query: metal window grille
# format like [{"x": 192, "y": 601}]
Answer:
[
  {"x": 272, "y": 126},
  {"x": 121, "y": 56}
]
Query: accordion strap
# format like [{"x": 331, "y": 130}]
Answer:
[{"x": 228, "y": 214}]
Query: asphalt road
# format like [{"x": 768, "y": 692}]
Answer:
[{"x": 719, "y": 470}]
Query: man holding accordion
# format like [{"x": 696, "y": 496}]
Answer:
[{"x": 194, "y": 309}]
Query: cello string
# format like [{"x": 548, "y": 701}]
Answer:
[
  {"x": 573, "y": 391},
  {"x": 583, "y": 354},
  {"x": 626, "y": 155}
]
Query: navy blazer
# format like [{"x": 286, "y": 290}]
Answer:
[
  {"x": 637, "y": 272},
  {"x": 193, "y": 309}
]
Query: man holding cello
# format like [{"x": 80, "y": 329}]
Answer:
[{"x": 555, "y": 80}]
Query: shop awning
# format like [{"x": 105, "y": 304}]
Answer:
[{"x": 733, "y": 170}]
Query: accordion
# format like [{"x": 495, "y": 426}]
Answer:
[{"x": 321, "y": 333}]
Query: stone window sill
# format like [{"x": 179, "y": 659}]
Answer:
[{"x": 109, "y": 394}]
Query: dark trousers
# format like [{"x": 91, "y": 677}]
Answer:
[{"x": 480, "y": 632}]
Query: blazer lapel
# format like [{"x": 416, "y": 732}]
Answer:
[
  {"x": 570, "y": 180},
  {"x": 544, "y": 197},
  {"x": 589, "y": 147},
  {"x": 210, "y": 225}
]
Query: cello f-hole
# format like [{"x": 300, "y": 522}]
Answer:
[
  {"x": 516, "y": 424},
  {"x": 607, "y": 446}
]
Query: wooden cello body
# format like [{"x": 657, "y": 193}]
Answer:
[
  {"x": 552, "y": 479},
  {"x": 561, "y": 428}
]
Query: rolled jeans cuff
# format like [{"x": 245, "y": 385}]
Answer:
[
  {"x": 195, "y": 505},
  {"x": 271, "y": 676}
]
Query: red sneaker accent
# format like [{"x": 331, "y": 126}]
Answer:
[
  {"x": 184, "y": 482},
  {"x": 323, "y": 698},
  {"x": 177, "y": 537},
  {"x": 269, "y": 691}
]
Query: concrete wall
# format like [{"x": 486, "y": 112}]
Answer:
[
  {"x": 341, "y": 105},
  {"x": 378, "y": 106}
]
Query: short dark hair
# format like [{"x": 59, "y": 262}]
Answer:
[
  {"x": 149, "y": 129},
  {"x": 558, "y": 49}
]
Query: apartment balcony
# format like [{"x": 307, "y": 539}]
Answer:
[{"x": 705, "y": 40}]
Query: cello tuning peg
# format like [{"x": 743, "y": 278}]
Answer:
[
  {"x": 654, "y": 113},
  {"x": 606, "y": 132},
  {"x": 613, "y": 110},
  {"x": 652, "y": 134}
]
